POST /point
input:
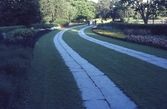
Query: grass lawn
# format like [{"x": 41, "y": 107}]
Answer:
[
  {"x": 144, "y": 83},
  {"x": 51, "y": 83},
  {"x": 139, "y": 47}
]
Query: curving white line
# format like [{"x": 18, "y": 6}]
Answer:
[
  {"x": 158, "y": 61},
  {"x": 98, "y": 91}
]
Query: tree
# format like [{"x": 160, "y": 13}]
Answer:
[
  {"x": 85, "y": 9},
  {"x": 18, "y": 12},
  {"x": 103, "y": 8},
  {"x": 47, "y": 10},
  {"x": 146, "y": 9},
  {"x": 64, "y": 13}
]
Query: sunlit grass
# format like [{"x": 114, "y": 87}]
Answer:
[{"x": 114, "y": 34}]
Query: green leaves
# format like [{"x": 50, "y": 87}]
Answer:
[{"x": 18, "y": 12}]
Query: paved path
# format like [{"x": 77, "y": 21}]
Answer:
[
  {"x": 161, "y": 62},
  {"x": 98, "y": 91}
]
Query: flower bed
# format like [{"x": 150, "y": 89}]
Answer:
[
  {"x": 150, "y": 40},
  {"x": 114, "y": 34}
]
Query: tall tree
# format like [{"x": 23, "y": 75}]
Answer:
[
  {"x": 47, "y": 10},
  {"x": 18, "y": 12},
  {"x": 103, "y": 8},
  {"x": 146, "y": 8},
  {"x": 56, "y": 11},
  {"x": 85, "y": 9}
]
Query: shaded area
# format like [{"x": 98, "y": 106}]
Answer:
[{"x": 51, "y": 83}]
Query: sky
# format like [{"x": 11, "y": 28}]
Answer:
[{"x": 95, "y": 0}]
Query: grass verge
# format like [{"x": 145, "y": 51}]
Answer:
[
  {"x": 51, "y": 83},
  {"x": 143, "y": 82}
]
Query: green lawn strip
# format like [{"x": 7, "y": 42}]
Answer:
[
  {"x": 143, "y": 48},
  {"x": 52, "y": 85},
  {"x": 144, "y": 83}
]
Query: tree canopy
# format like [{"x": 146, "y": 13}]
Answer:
[
  {"x": 146, "y": 8},
  {"x": 20, "y": 12},
  {"x": 25, "y": 12}
]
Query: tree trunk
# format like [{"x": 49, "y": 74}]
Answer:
[{"x": 145, "y": 17}]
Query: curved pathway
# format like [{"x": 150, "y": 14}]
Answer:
[
  {"x": 161, "y": 62},
  {"x": 98, "y": 91}
]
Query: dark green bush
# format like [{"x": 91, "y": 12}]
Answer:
[
  {"x": 21, "y": 33},
  {"x": 37, "y": 26},
  {"x": 137, "y": 32},
  {"x": 1, "y": 37},
  {"x": 9, "y": 28},
  {"x": 14, "y": 65},
  {"x": 156, "y": 29}
]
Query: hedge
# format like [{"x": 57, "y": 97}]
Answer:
[{"x": 156, "y": 29}]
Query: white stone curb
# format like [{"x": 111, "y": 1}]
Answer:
[
  {"x": 98, "y": 91},
  {"x": 161, "y": 62}
]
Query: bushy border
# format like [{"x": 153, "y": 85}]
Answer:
[
  {"x": 149, "y": 40},
  {"x": 14, "y": 64},
  {"x": 24, "y": 37},
  {"x": 156, "y": 29}
]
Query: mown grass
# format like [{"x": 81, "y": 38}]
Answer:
[
  {"x": 51, "y": 83},
  {"x": 143, "y": 48},
  {"x": 144, "y": 83}
]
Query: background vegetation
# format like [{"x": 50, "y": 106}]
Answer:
[
  {"x": 136, "y": 33},
  {"x": 21, "y": 12}
]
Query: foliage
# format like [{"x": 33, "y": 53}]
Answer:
[
  {"x": 23, "y": 37},
  {"x": 141, "y": 36},
  {"x": 137, "y": 32},
  {"x": 146, "y": 8},
  {"x": 14, "y": 65},
  {"x": 156, "y": 41},
  {"x": 149, "y": 27},
  {"x": 9, "y": 28},
  {"x": 22, "y": 12},
  {"x": 111, "y": 33},
  {"x": 85, "y": 10},
  {"x": 18, "y": 12},
  {"x": 103, "y": 9},
  {"x": 21, "y": 33}
]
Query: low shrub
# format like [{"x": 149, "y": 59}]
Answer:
[
  {"x": 42, "y": 25},
  {"x": 148, "y": 40},
  {"x": 1, "y": 37},
  {"x": 14, "y": 65},
  {"x": 155, "y": 29},
  {"x": 24, "y": 37},
  {"x": 21, "y": 33},
  {"x": 62, "y": 22},
  {"x": 10, "y": 28},
  {"x": 139, "y": 36},
  {"x": 137, "y": 32}
]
